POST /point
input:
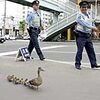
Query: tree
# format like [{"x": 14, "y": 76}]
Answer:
[{"x": 22, "y": 26}]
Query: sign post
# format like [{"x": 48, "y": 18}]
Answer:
[{"x": 23, "y": 53}]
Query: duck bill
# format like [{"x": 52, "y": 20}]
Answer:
[{"x": 42, "y": 70}]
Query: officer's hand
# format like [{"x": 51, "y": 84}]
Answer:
[
  {"x": 95, "y": 35},
  {"x": 95, "y": 29}
]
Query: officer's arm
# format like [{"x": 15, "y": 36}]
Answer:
[
  {"x": 93, "y": 24},
  {"x": 81, "y": 21},
  {"x": 28, "y": 19},
  {"x": 95, "y": 29}
]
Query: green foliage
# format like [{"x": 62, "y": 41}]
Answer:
[{"x": 22, "y": 26}]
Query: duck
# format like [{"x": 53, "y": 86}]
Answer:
[
  {"x": 36, "y": 81},
  {"x": 10, "y": 78}
]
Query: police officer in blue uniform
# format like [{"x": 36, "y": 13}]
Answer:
[
  {"x": 34, "y": 22},
  {"x": 84, "y": 28}
]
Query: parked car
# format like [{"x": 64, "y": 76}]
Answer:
[
  {"x": 2, "y": 39},
  {"x": 7, "y": 37},
  {"x": 12, "y": 38}
]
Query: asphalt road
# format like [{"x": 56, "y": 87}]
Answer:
[{"x": 61, "y": 80}]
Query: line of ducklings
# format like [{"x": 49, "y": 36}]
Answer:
[{"x": 30, "y": 83}]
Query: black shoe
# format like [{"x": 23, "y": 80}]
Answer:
[
  {"x": 27, "y": 57},
  {"x": 78, "y": 67},
  {"x": 96, "y": 66},
  {"x": 32, "y": 58},
  {"x": 42, "y": 59}
]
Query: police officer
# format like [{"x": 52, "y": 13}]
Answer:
[
  {"x": 34, "y": 22},
  {"x": 84, "y": 28}
]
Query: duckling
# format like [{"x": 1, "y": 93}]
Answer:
[
  {"x": 17, "y": 81},
  {"x": 21, "y": 81},
  {"x": 25, "y": 82},
  {"x": 14, "y": 80},
  {"x": 10, "y": 78},
  {"x": 37, "y": 81}
]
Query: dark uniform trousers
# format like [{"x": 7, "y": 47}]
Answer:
[
  {"x": 34, "y": 32},
  {"x": 85, "y": 41}
]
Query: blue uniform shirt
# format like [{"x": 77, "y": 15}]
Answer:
[
  {"x": 33, "y": 19},
  {"x": 84, "y": 23}
]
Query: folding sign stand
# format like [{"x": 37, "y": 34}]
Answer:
[{"x": 23, "y": 53}]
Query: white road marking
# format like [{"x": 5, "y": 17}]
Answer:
[
  {"x": 8, "y": 53},
  {"x": 66, "y": 52},
  {"x": 53, "y": 47},
  {"x": 86, "y": 65},
  {"x": 61, "y": 62},
  {"x": 44, "y": 48}
]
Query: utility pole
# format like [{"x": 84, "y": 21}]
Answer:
[
  {"x": 96, "y": 8},
  {"x": 4, "y": 19}
]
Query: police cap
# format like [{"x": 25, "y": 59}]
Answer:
[
  {"x": 35, "y": 2},
  {"x": 84, "y": 4}
]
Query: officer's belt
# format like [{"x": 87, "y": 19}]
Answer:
[
  {"x": 35, "y": 28},
  {"x": 82, "y": 34}
]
